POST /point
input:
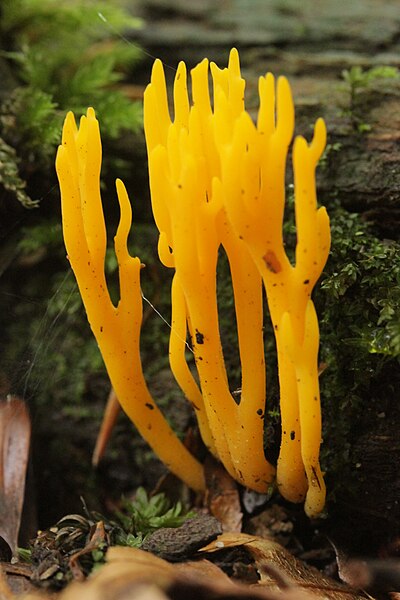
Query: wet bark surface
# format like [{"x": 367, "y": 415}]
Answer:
[{"x": 312, "y": 45}]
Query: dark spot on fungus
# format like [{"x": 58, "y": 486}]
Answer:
[
  {"x": 272, "y": 263},
  {"x": 199, "y": 337},
  {"x": 292, "y": 435},
  {"x": 150, "y": 406},
  {"x": 306, "y": 281},
  {"x": 101, "y": 328},
  {"x": 315, "y": 476}
]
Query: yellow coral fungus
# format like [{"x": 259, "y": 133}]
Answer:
[
  {"x": 217, "y": 180},
  {"x": 117, "y": 329}
]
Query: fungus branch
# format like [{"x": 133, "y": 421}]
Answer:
[
  {"x": 217, "y": 180},
  {"x": 117, "y": 329}
]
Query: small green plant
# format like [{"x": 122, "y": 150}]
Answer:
[
  {"x": 329, "y": 150},
  {"x": 357, "y": 80},
  {"x": 145, "y": 514},
  {"x": 80, "y": 542}
]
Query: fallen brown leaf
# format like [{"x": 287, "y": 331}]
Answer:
[
  {"x": 98, "y": 538},
  {"x": 382, "y": 575},
  {"x": 133, "y": 574},
  {"x": 222, "y": 496},
  {"x": 228, "y": 540},
  {"x": 279, "y": 570},
  {"x": 15, "y": 583},
  {"x": 15, "y": 432},
  {"x": 129, "y": 572},
  {"x": 5, "y": 591}
]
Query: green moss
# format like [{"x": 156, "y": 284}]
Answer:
[
  {"x": 356, "y": 82},
  {"x": 360, "y": 289},
  {"x": 357, "y": 302},
  {"x": 63, "y": 56},
  {"x": 9, "y": 175},
  {"x": 360, "y": 334}
]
